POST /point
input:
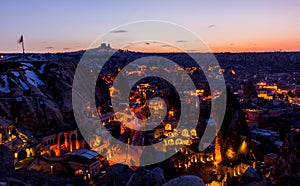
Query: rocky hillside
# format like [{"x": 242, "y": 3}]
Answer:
[{"x": 37, "y": 94}]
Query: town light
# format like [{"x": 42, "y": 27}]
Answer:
[{"x": 51, "y": 169}]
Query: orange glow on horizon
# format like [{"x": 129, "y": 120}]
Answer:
[{"x": 264, "y": 46}]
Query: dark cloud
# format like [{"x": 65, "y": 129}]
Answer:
[
  {"x": 118, "y": 31},
  {"x": 211, "y": 26},
  {"x": 181, "y": 41},
  {"x": 66, "y": 48},
  {"x": 165, "y": 45},
  {"x": 147, "y": 43},
  {"x": 49, "y": 47}
]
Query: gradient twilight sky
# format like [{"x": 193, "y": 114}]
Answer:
[{"x": 225, "y": 26}]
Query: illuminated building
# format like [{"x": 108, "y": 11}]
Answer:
[
  {"x": 15, "y": 140},
  {"x": 60, "y": 143},
  {"x": 218, "y": 155},
  {"x": 84, "y": 161},
  {"x": 253, "y": 114},
  {"x": 263, "y": 85}
]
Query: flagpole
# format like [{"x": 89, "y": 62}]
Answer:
[
  {"x": 23, "y": 47},
  {"x": 21, "y": 41}
]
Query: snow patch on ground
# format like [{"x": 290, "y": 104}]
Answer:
[
  {"x": 41, "y": 70},
  {"x": 4, "y": 88},
  {"x": 23, "y": 67},
  {"x": 32, "y": 78},
  {"x": 24, "y": 85},
  {"x": 16, "y": 74},
  {"x": 15, "y": 82},
  {"x": 27, "y": 64}
]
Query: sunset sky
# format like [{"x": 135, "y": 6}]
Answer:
[{"x": 225, "y": 26}]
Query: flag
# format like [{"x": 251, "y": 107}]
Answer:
[{"x": 21, "y": 39}]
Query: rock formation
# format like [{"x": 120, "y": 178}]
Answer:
[
  {"x": 287, "y": 167},
  {"x": 37, "y": 95},
  {"x": 253, "y": 177},
  {"x": 185, "y": 181},
  {"x": 6, "y": 161},
  {"x": 143, "y": 176}
]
